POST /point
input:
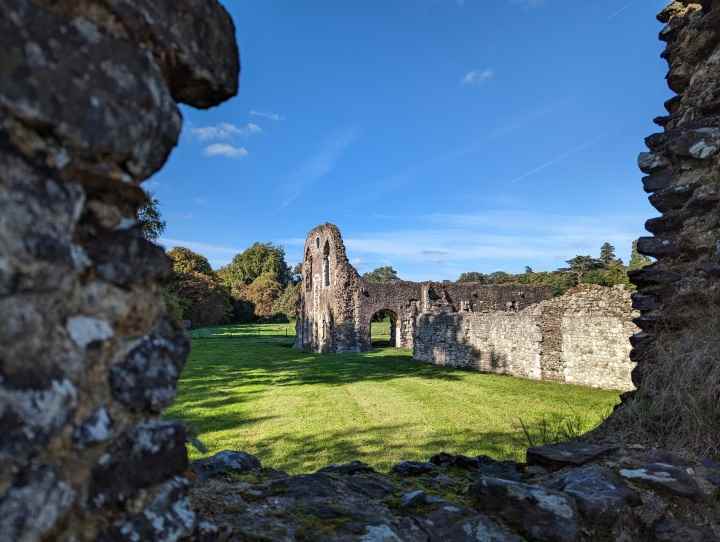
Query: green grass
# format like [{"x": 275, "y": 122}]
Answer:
[{"x": 245, "y": 388}]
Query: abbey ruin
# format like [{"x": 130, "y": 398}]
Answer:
[
  {"x": 581, "y": 337},
  {"x": 89, "y": 358}
]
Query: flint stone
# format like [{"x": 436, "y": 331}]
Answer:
[
  {"x": 453, "y": 523},
  {"x": 148, "y": 454},
  {"x": 98, "y": 427},
  {"x": 671, "y": 198},
  {"x": 664, "y": 477},
  {"x": 671, "y": 530},
  {"x": 601, "y": 495},
  {"x": 354, "y": 467},
  {"x": 653, "y": 246},
  {"x": 123, "y": 257},
  {"x": 413, "y": 468},
  {"x": 540, "y": 514},
  {"x": 507, "y": 470},
  {"x": 33, "y": 505},
  {"x": 225, "y": 462},
  {"x": 574, "y": 453},
  {"x": 168, "y": 518},
  {"x": 146, "y": 379},
  {"x": 657, "y": 181},
  {"x": 650, "y": 162}
]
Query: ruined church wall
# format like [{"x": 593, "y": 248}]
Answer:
[{"x": 581, "y": 337}]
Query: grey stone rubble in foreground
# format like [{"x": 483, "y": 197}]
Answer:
[{"x": 564, "y": 494}]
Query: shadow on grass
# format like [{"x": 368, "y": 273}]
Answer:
[{"x": 376, "y": 446}]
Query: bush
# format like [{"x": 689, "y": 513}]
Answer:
[{"x": 205, "y": 300}]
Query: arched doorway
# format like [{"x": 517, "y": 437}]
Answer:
[{"x": 384, "y": 329}]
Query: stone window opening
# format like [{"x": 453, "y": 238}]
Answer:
[
  {"x": 317, "y": 243},
  {"x": 326, "y": 265}
]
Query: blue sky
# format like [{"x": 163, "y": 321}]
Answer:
[{"x": 441, "y": 136}]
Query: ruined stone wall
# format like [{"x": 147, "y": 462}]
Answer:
[
  {"x": 677, "y": 352},
  {"x": 337, "y": 305},
  {"x": 579, "y": 338},
  {"x": 88, "y": 356}
]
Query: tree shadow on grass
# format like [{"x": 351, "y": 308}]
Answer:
[{"x": 376, "y": 446}]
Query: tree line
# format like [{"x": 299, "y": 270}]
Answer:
[
  {"x": 259, "y": 285},
  {"x": 606, "y": 270}
]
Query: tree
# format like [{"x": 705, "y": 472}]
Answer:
[
  {"x": 185, "y": 260},
  {"x": 500, "y": 277},
  {"x": 607, "y": 254},
  {"x": 473, "y": 276},
  {"x": 528, "y": 270},
  {"x": 149, "y": 220},
  {"x": 637, "y": 260},
  {"x": 382, "y": 274},
  {"x": 257, "y": 260},
  {"x": 204, "y": 300},
  {"x": 580, "y": 265},
  {"x": 262, "y": 292},
  {"x": 288, "y": 301}
]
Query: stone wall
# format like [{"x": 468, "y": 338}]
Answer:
[
  {"x": 88, "y": 357},
  {"x": 337, "y": 305},
  {"x": 677, "y": 352},
  {"x": 579, "y": 338}
]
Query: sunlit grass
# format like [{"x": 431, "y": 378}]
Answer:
[{"x": 245, "y": 388}]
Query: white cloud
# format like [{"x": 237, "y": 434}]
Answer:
[
  {"x": 266, "y": 115},
  {"x": 318, "y": 166},
  {"x": 477, "y": 77},
  {"x": 225, "y": 130},
  {"x": 226, "y": 150}
]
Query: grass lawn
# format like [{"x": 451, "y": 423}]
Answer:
[{"x": 245, "y": 388}]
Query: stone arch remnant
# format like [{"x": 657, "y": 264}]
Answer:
[{"x": 581, "y": 337}]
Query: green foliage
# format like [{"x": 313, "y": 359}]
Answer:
[
  {"x": 607, "y": 270},
  {"x": 380, "y": 407},
  {"x": 473, "y": 276},
  {"x": 259, "y": 259},
  {"x": 637, "y": 260},
  {"x": 262, "y": 293},
  {"x": 382, "y": 274},
  {"x": 173, "y": 303},
  {"x": 607, "y": 255},
  {"x": 580, "y": 265},
  {"x": 151, "y": 224},
  {"x": 185, "y": 260},
  {"x": 287, "y": 302},
  {"x": 204, "y": 299}
]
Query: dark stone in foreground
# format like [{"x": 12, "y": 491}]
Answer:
[
  {"x": 664, "y": 477},
  {"x": 538, "y": 513},
  {"x": 574, "y": 453},
  {"x": 225, "y": 462}
]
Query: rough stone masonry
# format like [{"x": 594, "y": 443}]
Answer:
[
  {"x": 88, "y": 357},
  {"x": 581, "y": 337}
]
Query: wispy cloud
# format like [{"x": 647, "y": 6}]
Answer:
[
  {"x": 621, "y": 10},
  {"x": 224, "y": 130},
  {"x": 512, "y": 124},
  {"x": 477, "y": 77},
  {"x": 317, "y": 166},
  {"x": 266, "y": 115},
  {"x": 225, "y": 149},
  {"x": 559, "y": 158}
]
